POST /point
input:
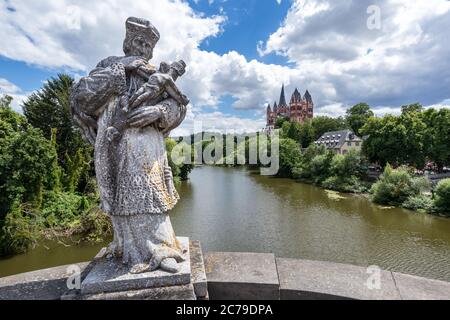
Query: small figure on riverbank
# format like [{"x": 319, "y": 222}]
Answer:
[{"x": 125, "y": 108}]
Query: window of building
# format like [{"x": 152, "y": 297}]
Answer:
[
  {"x": 357, "y": 144},
  {"x": 349, "y": 143}
]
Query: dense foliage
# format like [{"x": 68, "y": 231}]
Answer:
[
  {"x": 332, "y": 171},
  {"x": 442, "y": 201},
  {"x": 183, "y": 167},
  {"x": 395, "y": 187},
  {"x": 48, "y": 110},
  {"x": 34, "y": 193},
  {"x": 357, "y": 117},
  {"x": 311, "y": 130},
  {"x": 413, "y": 138}
]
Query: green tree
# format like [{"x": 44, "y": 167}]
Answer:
[
  {"x": 442, "y": 201},
  {"x": 307, "y": 134},
  {"x": 314, "y": 164},
  {"x": 49, "y": 110},
  {"x": 170, "y": 144},
  {"x": 350, "y": 164},
  {"x": 24, "y": 168},
  {"x": 289, "y": 155},
  {"x": 411, "y": 149},
  {"x": 323, "y": 124},
  {"x": 179, "y": 171},
  {"x": 395, "y": 187},
  {"x": 436, "y": 136},
  {"x": 415, "y": 107},
  {"x": 357, "y": 117},
  {"x": 346, "y": 173},
  {"x": 294, "y": 130},
  {"x": 5, "y": 101},
  {"x": 397, "y": 140},
  {"x": 280, "y": 121}
]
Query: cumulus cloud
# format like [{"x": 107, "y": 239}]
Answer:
[
  {"x": 10, "y": 89},
  {"x": 343, "y": 61},
  {"x": 75, "y": 35},
  {"x": 199, "y": 121}
]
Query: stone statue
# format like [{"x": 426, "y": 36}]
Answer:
[{"x": 125, "y": 108}]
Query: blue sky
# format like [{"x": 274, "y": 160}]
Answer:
[
  {"x": 248, "y": 22},
  {"x": 239, "y": 52}
]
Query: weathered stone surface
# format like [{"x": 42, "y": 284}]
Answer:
[
  {"x": 416, "y": 288},
  {"x": 242, "y": 276},
  {"x": 112, "y": 276},
  {"x": 310, "y": 280},
  {"x": 198, "y": 275},
  {"x": 48, "y": 284},
  {"x": 185, "y": 292}
]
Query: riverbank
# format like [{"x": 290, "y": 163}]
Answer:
[
  {"x": 348, "y": 173},
  {"x": 422, "y": 201}
]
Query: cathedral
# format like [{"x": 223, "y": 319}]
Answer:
[{"x": 299, "y": 109}]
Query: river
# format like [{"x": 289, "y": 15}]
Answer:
[{"x": 235, "y": 210}]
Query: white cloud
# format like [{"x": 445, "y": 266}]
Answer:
[
  {"x": 197, "y": 121},
  {"x": 332, "y": 110},
  {"x": 50, "y": 39},
  {"x": 342, "y": 61},
  {"x": 47, "y": 39},
  {"x": 8, "y": 88},
  {"x": 440, "y": 105}
]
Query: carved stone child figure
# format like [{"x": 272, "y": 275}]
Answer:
[{"x": 160, "y": 93}]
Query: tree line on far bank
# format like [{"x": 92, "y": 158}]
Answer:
[
  {"x": 413, "y": 141},
  {"x": 417, "y": 137},
  {"x": 47, "y": 177},
  {"x": 402, "y": 145}
]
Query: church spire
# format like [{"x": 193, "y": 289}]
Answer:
[
  {"x": 308, "y": 97},
  {"x": 282, "y": 98},
  {"x": 296, "y": 96}
]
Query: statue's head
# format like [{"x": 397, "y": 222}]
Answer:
[
  {"x": 176, "y": 69},
  {"x": 140, "y": 39}
]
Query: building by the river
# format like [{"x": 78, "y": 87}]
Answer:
[
  {"x": 299, "y": 108},
  {"x": 341, "y": 142}
]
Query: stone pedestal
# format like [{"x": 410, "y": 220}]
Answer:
[{"x": 110, "y": 280}]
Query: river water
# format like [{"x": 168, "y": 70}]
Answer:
[{"x": 235, "y": 210}]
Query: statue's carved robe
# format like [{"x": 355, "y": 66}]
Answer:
[{"x": 134, "y": 177}]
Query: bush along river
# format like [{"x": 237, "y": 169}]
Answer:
[{"x": 236, "y": 210}]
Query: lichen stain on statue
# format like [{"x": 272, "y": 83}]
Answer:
[{"x": 125, "y": 107}]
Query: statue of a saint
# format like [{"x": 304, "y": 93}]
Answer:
[{"x": 125, "y": 107}]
